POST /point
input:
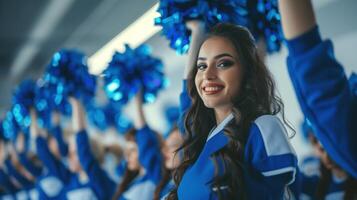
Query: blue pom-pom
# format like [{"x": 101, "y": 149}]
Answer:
[
  {"x": 23, "y": 99},
  {"x": 261, "y": 17},
  {"x": 96, "y": 116},
  {"x": 68, "y": 75},
  {"x": 47, "y": 101},
  {"x": 10, "y": 127},
  {"x": 131, "y": 70},
  {"x": 106, "y": 116}
]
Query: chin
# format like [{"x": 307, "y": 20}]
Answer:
[{"x": 210, "y": 104}]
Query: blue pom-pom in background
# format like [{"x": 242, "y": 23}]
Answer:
[
  {"x": 132, "y": 70},
  {"x": 23, "y": 100},
  {"x": 10, "y": 127},
  {"x": 68, "y": 75},
  {"x": 109, "y": 115},
  {"x": 261, "y": 17}
]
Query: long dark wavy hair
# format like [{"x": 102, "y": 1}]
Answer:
[{"x": 256, "y": 98}]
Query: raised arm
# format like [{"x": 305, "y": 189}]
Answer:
[
  {"x": 103, "y": 185},
  {"x": 53, "y": 165},
  {"x": 297, "y": 17}
]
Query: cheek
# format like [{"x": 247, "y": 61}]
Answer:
[{"x": 234, "y": 81}]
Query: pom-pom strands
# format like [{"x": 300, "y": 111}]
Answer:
[
  {"x": 131, "y": 71},
  {"x": 261, "y": 17}
]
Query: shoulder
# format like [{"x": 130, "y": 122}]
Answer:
[{"x": 269, "y": 131}]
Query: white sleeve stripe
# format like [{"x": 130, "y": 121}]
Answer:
[
  {"x": 274, "y": 135},
  {"x": 281, "y": 171}
]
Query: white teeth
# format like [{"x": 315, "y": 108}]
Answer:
[{"x": 212, "y": 89}]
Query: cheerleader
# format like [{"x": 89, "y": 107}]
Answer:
[
  {"x": 47, "y": 185},
  {"x": 144, "y": 159},
  {"x": 235, "y": 146},
  {"x": 171, "y": 144},
  {"x": 24, "y": 181},
  {"x": 7, "y": 186},
  {"x": 323, "y": 91},
  {"x": 84, "y": 178}
]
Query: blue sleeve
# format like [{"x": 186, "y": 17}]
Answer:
[
  {"x": 32, "y": 168},
  {"x": 325, "y": 96},
  {"x": 185, "y": 103},
  {"x": 6, "y": 183},
  {"x": 103, "y": 185},
  {"x": 14, "y": 173},
  {"x": 149, "y": 153},
  {"x": 62, "y": 145},
  {"x": 54, "y": 166},
  {"x": 269, "y": 152}
]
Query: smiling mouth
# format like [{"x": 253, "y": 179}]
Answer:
[{"x": 211, "y": 90}]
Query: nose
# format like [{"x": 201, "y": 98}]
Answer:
[{"x": 210, "y": 73}]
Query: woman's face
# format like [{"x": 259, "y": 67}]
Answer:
[
  {"x": 172, "y": 143},
  {"x": 219, "y": 73},
  {"x": 132, "y": 155}
]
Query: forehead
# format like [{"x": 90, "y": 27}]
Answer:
[{"x": 216, "y": 45}]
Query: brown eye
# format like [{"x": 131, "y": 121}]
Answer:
[
  {"x": 201, "y": 66},
  {"x": 225, "y": 64}
]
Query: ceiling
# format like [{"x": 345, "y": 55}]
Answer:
[{"x": 32, "y": 30}]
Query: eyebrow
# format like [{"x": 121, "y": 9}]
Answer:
[{"x": 217, "y": 56}]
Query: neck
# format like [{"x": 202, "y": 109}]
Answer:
[{"x": 221, "y": 113}]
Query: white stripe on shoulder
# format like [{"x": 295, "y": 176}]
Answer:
[
  {"x": 281, "y": 171},
  {"x": 274, "y": 135}
]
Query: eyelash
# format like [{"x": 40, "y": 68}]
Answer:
[{"x": 223, "y": 64}]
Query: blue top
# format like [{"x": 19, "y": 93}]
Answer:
[
  {"x": 325, "y": 97},
  {"x": 99, "y": 180},
  {"x": 150, "y": 158},
  {"x": 168, "y": 187},
  {"x": 307, "y": 185},
  {"x": 149, "y": 153},
  {"x": 269, "y": 160},
  {"x": 30, "y": 167},
  {"x": 5, "y": 182},
  {"x": 73, "y": 186},
  {"x": 47, "y": 185},
  {"x": 25, "y": 183}
]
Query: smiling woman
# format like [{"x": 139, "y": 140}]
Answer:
[{"x": 235, "y": 147}]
